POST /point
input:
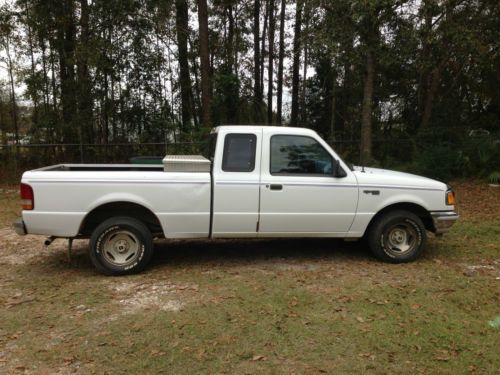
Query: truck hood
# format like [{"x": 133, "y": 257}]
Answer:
[{"x": 377, "y": 176}]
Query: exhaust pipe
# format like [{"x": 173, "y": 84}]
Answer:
[{"x": 49, "y": 240}]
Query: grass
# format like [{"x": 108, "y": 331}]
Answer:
[{"x": 254, "y": 307}]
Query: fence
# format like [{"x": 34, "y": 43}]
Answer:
[
  {"x": 15, "y": 159},
  {"x": 433, "y": 157}
]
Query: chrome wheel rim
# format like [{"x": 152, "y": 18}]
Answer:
[
  {"x": 400, "y": 239},
  {"x": 120, "y": 248}
]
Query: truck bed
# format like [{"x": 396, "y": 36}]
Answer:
[
  {"x": 171, "y": 163},
  {"x": 101, "y": 167},
  {"x": 66, "y": 193}
]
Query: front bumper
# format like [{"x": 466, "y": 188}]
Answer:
[
  {"x": 443, "y": 220},
  {"x": 20, "y": 228}
]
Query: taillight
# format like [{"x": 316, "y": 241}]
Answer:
[{"x": 27, "y": 197}]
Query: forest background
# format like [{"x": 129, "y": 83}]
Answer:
[{"x": 406, "y": 84}]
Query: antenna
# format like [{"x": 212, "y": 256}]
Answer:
[{"x": 361, "y": 159}]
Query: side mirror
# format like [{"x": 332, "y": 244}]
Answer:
[{"x": 338, "y": 171}]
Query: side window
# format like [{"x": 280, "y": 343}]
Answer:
[
  {"x": 299, "y": 155},
  {"x": 239, "y": 153}
]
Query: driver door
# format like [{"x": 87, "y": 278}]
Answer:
[{"x": 299, "y": 196}]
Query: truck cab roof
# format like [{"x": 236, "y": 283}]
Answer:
[{"x": 243, "y": 128}]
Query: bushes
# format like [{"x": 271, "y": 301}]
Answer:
[
  {"x": 482, "y": 155},
  {"x": 494, "y": 177},
  {"x": 440, "y": 162},
  {"x": 472, "y": 158},
  {"x": 442, "y": 155}
]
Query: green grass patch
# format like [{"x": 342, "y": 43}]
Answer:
[{"x": 468, "y": 240}]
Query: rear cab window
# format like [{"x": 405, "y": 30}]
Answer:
[{"x": 239, "y": 153}]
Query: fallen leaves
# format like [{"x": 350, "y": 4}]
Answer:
[
  {"x": 378, "y": 302},
  {"x": 443, "y": 355},
  {"x": 477, "y": 200},
  {"x": 11, "y": 303},
  {"x": 370, "y": 356},
  {"x": 258, "y": 358},
  {"x": 346, "y": 299}
]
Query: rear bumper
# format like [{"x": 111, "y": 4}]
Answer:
[
  {"x": 443, "y": 220},
  {"x": 20, "y": 228}
]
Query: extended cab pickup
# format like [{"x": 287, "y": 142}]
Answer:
[{"x": 260, "y": 181}]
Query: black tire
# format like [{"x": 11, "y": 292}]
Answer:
[
  {"x": 397, "y": 237},
  {"x": 121, "y": 246}
]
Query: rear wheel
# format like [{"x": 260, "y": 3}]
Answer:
[
  {"x": 121, "y": 246},
  {"x": 397, "y": 237}
]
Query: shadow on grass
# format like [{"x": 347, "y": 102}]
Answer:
[
  {"x": 256, "y": 251},
  {"x": 185, "y": 253}
]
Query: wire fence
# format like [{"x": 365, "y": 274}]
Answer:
[{"x": 15, "y": 159}]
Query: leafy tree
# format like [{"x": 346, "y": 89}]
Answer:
[{"x": 388, "y": 81}]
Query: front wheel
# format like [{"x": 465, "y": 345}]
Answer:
[
  {"x": 397, "y": 237},
  {"x": 121, "y": 246}
]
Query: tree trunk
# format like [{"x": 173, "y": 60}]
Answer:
[
  {"x": 55, "y": 133},
  {"x": 366, "y": 119},
  {"x": 112, "y": 109},
  {"x": 345, "y": 99},
  {"x": 182, "y": 28},
  {"x": 237, "y": 43},
  {"x": 230, "y": 40},
  {"x": 262, "y": 52},
  {"x": 32, "y": 58},
  {"x": 424, "y": 73},
  {"x": 432, "y": 88},
  {"x": 105, "y": 101},
  {"x": 66, "y": 47},
  {"x": 304, "y": 35},
  {"x": 303, "y": 109},
  {"x": 281, "y": 57},
  {"x": 171, "y": 85},
  {"x": 296, "y": 64},
  {"x": 46, "y": 91},
  {"x": 3, "y": 130},
  {"x": 10, "y": 69},
  {"x": 333, "y": 108},
  {"x": 270, "y": 71},
  {"x": 205, "y": 62},
  {"x": 196, "y": 101},
  {"x": 84, "y": 86},
  {"x": 256, "y": 60}
]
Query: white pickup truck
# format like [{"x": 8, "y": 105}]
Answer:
[{"x": 260, "y": 181}]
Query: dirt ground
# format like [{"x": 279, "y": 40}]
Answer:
[{"x": 263, "y": 306}]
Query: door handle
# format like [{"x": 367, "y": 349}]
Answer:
[{"x": 276, "y": 187}]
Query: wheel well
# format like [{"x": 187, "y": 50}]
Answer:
[
  {"x": 108, "y": 210},
  {"x": 416, "y": 209}
]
